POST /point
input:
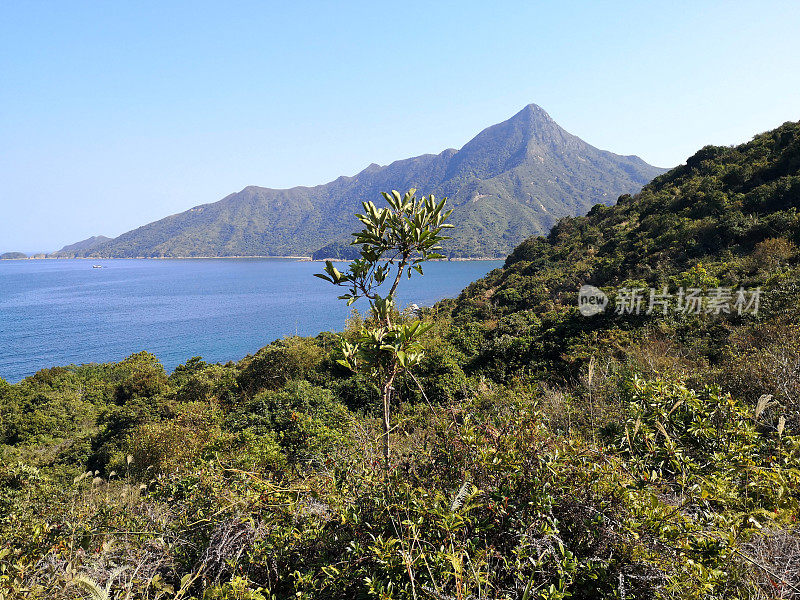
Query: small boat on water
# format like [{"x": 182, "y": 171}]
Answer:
[{"x": 97, "y": 266}]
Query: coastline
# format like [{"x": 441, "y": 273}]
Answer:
[
  {"x": 481, "y": 259},
  {"x": 298, "y": 258},
  {"x": 90, "y": 258}
]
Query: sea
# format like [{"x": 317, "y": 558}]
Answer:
[{"x": 57, "y": 312}]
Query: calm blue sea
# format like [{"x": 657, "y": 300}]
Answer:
[{"x": 61, "y": 312}]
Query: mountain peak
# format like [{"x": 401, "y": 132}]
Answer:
[
  {"x": 533, "y": 111},
  {"x": 372, "y": 168},
  {"x": 508, "y": 144},
  {"x": 534, "y": 122}
]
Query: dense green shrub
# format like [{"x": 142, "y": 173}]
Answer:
[
  {"x": 140, "y": 376},
  {"x": 273, "y": 366},
  {"x": 306, "y": 421}
]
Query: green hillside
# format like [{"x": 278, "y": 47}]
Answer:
[
  {"x": 536, "y": 452},
  {"x": 728, "y": 218},
  {"x": 83, "y": 246},
  {"x": 734, "y": 209},
  {"x": 513, "y": 180}
]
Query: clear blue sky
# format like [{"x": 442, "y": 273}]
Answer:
[{"x": 114, "y": 114}]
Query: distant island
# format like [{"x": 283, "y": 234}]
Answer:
[
  {"x": 513, "y": 180},
  {"x": 12, "y": 256}
]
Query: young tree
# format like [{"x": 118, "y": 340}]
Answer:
[{"x": 395, "y": 241}]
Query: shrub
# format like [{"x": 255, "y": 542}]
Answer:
[
  {"x": 166, "y": 446},
  {"x": 140, "y": 376},
  {"x": 306, "y": 421},
  {"x": 773, "y": 253},
  {"x": 280, "y": 362}
]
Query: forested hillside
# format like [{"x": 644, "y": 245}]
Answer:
[
  {"x": 728, "y": 218},
  {"x": 536, "y": 452},
  {"x": 83, "y": 246}
]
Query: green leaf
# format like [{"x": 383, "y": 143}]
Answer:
[
  {"x": 185, "y": 580},
  {"x": 346, "y": 364}
]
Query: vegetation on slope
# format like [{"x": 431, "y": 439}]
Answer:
[
  {"x": 71, "y": 250},
  {"x": 552, "y": 455},
  {"x": 728, "y": 218}
]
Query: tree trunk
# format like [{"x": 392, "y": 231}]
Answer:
[
  {"x": 385, "y": 432},
  {"x": 387, "y": 403}
]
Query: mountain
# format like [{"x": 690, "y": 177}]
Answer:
[
  {"x": 12, "y": 256},
  {"x": 82, "y": 246},
  {"x": 729, "y": 217},
  {"x": 727, "y": 220},
  {"x": 513, "y": 180}
]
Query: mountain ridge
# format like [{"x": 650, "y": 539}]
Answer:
[
  {"x": 87, "y": 244},
  {"x": 512, "y": 180}
]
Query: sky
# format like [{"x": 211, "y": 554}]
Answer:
[{"x": 115, "y": 114}]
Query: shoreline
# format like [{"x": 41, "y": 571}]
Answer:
[
  {"x": 477, "y": 259},
  {"x": 297, "y": 258},
  {"x": 90, "y": 258}
]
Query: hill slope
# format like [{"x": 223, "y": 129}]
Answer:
[
  {"x": 729, "y": 218},
  {"x": 719, "y": 206},
  {"x": 82, "y": 246},
  {"x": 513, "y": 180}
]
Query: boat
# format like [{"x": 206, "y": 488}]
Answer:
[{"x": 97, "y": 266}]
